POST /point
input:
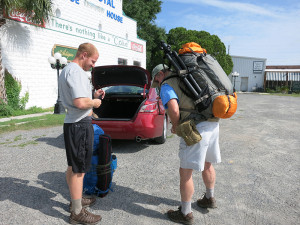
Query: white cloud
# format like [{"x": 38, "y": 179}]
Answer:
[{"x": 231, "y": 6}]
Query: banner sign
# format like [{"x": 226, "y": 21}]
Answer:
[
  {"x": 65, "y": 51},
  {"x": 75, "y": 29}
]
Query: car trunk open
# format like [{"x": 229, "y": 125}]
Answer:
[{"x": 126, "y": 90}]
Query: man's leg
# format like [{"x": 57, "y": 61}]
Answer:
[
  {"x": 209, "y": 175},
  {"x": 186, "y": 184},
  {"x": 209, "y": 179},
  {"x": 186, "y": 190},
  {"x": 184, "y": 214},
  {"x": 75, "y": 183}
]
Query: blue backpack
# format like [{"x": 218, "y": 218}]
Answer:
[{"x": 97, "y": 181}]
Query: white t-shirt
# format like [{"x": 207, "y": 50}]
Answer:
[{"x": 74, "y": 83}]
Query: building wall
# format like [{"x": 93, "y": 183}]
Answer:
[
  {"x": 26, "y": 47},
  {"x": 251, "y": 73}
]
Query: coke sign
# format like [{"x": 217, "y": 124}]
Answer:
[
  {"x": 136, "y": 47},
  {"x": 23, "y": 17}
]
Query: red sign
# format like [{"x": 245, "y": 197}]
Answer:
[
  {"x": 136, "y": 47},
  {"x": 23, "y": 17}
]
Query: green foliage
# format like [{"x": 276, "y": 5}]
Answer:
[
  {"x": 42, "y": 8},
  {"x": 15, "y": 104},
  {"x": 144, "y": 12},
  {"x": 5, "y": 110},
  {"x": 24, "y": 100},
  {"x": 212, "y": 43},
  {"x": 13, "y": 89},
  {"x": 49, "y": 120}
]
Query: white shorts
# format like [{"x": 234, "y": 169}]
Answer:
[{"x": 207, "y": 150}]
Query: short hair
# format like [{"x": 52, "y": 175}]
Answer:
[{"x": 87, "y": 47}]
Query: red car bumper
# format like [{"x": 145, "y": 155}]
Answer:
[{"x": 144, "y": 126}]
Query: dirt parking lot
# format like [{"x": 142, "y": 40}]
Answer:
[{"x": 257, "y": 181}]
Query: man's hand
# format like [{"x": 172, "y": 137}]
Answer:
[
  {"x": 99, "y": 93},
  {"x": 97, "y": 102}
]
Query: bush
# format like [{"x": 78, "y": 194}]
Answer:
[
  {"x": 284, "y": 89},
  {"x": 13, "y": 89},
  {"x": 24, "y": 100},
  {"x": 5, "y": 109}
]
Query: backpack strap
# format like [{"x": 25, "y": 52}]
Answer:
[
  {"x": 169, "y": 77},
  {"x": 189, "y": 110}
]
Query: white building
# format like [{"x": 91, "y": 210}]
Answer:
[
  {"x": 26, "y": 47},
  {"x": 250, "y": 73}
]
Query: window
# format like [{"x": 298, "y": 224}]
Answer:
[
  {"x": 122, "y": 61},
  {"x": 136, "y": 63}
]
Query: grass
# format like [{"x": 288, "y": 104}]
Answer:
[
  {"x": 282, "y": 94},
  {"x": 49, "y": 120},
  {"x": 31, "y": 110}
]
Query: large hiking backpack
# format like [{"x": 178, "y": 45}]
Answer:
[
  {"x": 98, "y": 180},
  {"x": 204, "y": 73}
]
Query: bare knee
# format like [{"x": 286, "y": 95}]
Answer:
[
  {"x": 185, "y": 174},
  {"x": 208, "y": 166}
]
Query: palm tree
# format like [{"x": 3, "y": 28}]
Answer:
[{"x": 39, "y": 12}]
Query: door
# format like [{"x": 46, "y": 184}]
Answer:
[{"x": 244, "y": 84}]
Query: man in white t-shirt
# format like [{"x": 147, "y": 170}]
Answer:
[{"x": 76, "y": 95}]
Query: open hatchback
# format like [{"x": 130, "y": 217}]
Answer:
[{"x": 131, "y": 109}]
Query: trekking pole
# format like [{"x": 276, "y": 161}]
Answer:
[{"x": 181, "y": 69}]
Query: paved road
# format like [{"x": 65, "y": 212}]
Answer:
[{"x": 257, "y": 182}]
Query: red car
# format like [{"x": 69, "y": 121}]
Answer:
[{"x": 131, "y": 109}]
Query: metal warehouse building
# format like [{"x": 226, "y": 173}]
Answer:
[
  {"x": 26, "y": 47},
  {"x": 248, "y": 73}
]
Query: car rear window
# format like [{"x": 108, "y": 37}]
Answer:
[{"x": 123, "y": 89}]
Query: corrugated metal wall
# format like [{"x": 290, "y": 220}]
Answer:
[{"x": 248, "y": 79}]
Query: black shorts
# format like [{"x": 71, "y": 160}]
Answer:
[{"x": 79, "y": 139}]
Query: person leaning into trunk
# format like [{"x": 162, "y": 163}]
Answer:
[
  {"x": 76, "y": 95},
  {"x": 193, "y": 154}
]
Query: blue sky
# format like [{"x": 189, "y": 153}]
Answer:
[{"x": 256, "y": 28}]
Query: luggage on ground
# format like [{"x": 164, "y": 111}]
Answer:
[{"x": 98, "y": 180}]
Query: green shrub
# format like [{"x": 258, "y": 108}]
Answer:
[
  {"x": 24, "y": 100},
  {"x": 284, "y": 89},
  {"x": 5, "y": 109},
  {"x": 13, "y": 89}
]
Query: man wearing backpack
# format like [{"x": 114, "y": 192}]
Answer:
[{"x": 193, "y": 154}]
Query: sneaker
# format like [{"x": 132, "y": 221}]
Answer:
[
  {"x": 177, "y": 216},
  {"x": 85, "y": 202},
  {"x": 207, "y": 203},
  {"x": 84, "y": 217}
]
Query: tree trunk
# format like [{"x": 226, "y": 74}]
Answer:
[
  {"x": 3, "y": 95},
  {"x": 2, "y": 82}
]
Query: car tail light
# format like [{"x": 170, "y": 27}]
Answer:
[{"x": 148, "y": 108}]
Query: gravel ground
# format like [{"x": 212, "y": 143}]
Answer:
[{"x": 257, "y": 181}]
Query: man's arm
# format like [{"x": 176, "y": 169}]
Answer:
[
  {"x": 173, "y": 112},
  {"x": 86, "y": 103}
]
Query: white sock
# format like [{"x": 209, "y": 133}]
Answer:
[
  {"x": 76, "y": 206},
  {"x": 209, "y": 193},
  {"x": 186, "y": 207}
]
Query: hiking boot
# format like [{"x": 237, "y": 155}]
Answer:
[
  {"x": 207, "y": 203},
  {"x": 84, "y": 217},
  {"x": 178, "y": 217},
  {"x": 85, "y": 202}
]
